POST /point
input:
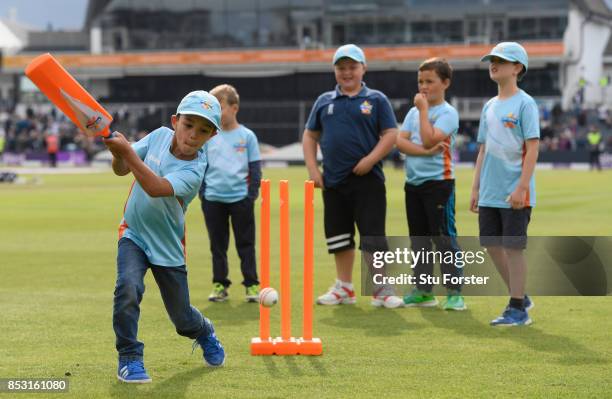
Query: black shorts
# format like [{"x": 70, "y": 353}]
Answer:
[
  {"x": 360, "y": 200},
  {"x": 430, "y": 208},
  {"x": 505, "y": 227}
]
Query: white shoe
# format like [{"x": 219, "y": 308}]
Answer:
[
  {"x": 385, "y": 296},
  {"x": 336, "y": 295},
  {"x": 388, "y": 301}
]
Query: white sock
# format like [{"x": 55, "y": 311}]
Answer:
[{"x": 344, "y": 284}]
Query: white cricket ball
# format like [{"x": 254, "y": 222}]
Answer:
[{"x": 268, "y": 297}]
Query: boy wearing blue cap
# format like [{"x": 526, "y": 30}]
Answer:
[
  {"x": 503, "y": 192},
  {"x": 228, "y": 192},
  {"x": 168, "y": 166},
  {"x": 356, "y": 128},
  {"x": 427, "y": 137}
]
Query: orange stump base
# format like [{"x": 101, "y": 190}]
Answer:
[
  {"x": 280, "y": 347},
  {"x": 262, "y": 347},
  {"x": 311, "y": 347},
  {"x": 285, "y": 347}
]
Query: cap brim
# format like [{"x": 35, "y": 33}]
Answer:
[
  {"x": 491, "y": 55},
  {"x": 350, "y": 58},
  {"x": 203, "y": 116}
]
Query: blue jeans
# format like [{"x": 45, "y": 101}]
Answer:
[{"x": 132, "y": 265}]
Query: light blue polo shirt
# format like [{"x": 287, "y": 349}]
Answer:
[
  {"x": 228, "y": 155},
  {"x": 420, "y": 169},
  {"x": 157, "y": 225},
  {"x": 505, "y": 125},
  {"x": 350, "y": 129}
]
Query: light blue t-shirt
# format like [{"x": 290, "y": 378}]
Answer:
[
  {"x": 157, "y": 225},
  {"x": 504, "y": 127},
  {"x": 228, "y": 155},
  {"x": 420, "y": 169}
]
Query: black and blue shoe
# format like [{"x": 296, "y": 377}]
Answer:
[
  {"x": 527, "y": 303},
  {"x": 214, "y": 354},
  {"x": 512, "y": 317},
  {"x": 132, "y": 372}
]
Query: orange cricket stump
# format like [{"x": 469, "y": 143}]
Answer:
[
  {"x": 263, "y": 345},
  {"x": 286, "y": 344},
  {"x": 307, "y": 345}
]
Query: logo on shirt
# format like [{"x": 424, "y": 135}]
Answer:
[
  {"x": 510, "y": 120},
  {"x": 153, "y": 159},
  {"x": 330, "y": 109},
  {"x": 240, "y": 146},
  {"x": 366, "y": 108}
]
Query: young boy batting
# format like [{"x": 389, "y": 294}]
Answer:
[
  {"x": 168, "y": 167},
  {"x": 228, "y": 192},
  {"x": 427, "y": 137},
  {"x": 356, "y": 128},
  {"x": 503, "y": 192}
]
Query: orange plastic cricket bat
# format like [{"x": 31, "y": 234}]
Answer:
[{"x": 68, "y": 95}]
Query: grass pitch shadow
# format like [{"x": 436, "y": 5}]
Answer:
[
  {"x": 294, "y": 365},
  {"x": 569, "y": 351},
  {"x": 234, "y": 314},
  {"x": 375, "y": 322},
  {"x": 173, "y": 387}
]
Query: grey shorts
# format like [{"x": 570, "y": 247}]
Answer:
[{"x": 504, "y": 227}]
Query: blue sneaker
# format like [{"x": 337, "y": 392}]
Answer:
[
  {"x": 527, "y": 303},
  {"x": 133, "y": 372},
  {"x": 214, "y": 354},
  {"x": 512, "y": 317}
]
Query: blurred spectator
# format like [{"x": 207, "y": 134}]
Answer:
[
  {"x": 88, "y": 145},
  {"x": 2, "y": 140},
  {"x": 603, "y": 114},
  {"x": 461, "y": 140},
  {"x": 548, "y": 131},
  {"x": 557, "y": 114},
  {"x": 545, "y": 116},
  {"x": 595, "y": 141},
  {"x": 52, "y": 148},
  {"x": 582, "y": 118},
  {"x": 608, "y": 145},
  {"x": 566, "y": 141},
  {"x": 27, "y": 133},
  {"x": 573, "y": 126}
]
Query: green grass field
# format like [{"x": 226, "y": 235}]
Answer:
[{"x": 58, "y": 249}]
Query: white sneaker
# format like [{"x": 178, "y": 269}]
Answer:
[
  {"x": 385, "y": 297},
  {"x": 388, "y": 301},
  {"x": 336, "y": 295}
]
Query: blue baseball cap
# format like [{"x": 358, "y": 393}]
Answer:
[
  {"x": 201, "y": 103},
  {"x": 509, "y": 51},
  {"x": 349, "y": 51}
]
